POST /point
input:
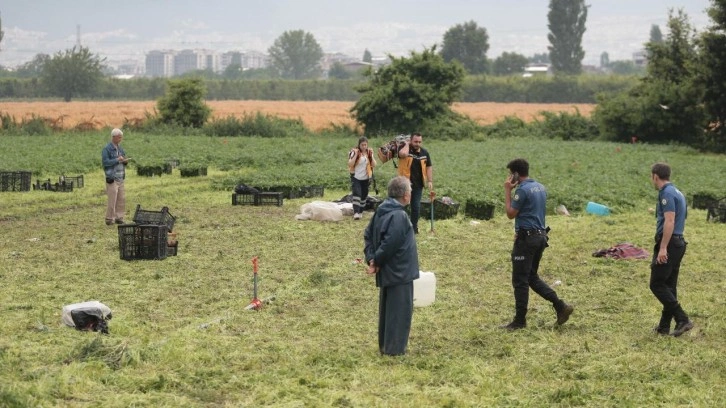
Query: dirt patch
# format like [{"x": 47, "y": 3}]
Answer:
[{"x": 315, "y": 115}]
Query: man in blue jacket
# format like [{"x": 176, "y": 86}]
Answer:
[
  {"x": 114, "y": 162},
  {"x": 391, "y": 255}
]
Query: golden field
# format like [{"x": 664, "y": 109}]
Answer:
[{"x": 315, "y": 115}]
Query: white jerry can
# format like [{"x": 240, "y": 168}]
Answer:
[{"x": 424, "y": 289}]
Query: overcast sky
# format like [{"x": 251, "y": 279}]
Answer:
[{"x": 127, "y": 29}]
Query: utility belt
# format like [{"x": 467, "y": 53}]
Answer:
[
  {"x": 530, "y": 232},
  {"x": 659, "y": 237}
]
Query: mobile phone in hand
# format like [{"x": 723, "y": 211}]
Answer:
[{"x": 515, "y": 178}]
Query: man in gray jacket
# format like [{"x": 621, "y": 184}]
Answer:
[{"x": 391, "y": 255}]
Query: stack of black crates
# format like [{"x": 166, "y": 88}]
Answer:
[{"x": 147, "y": 238}]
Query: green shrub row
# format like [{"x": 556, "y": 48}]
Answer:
[{"x": 579, "y": 89}]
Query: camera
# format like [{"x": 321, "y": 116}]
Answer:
[{"x": 390, "y": 150}]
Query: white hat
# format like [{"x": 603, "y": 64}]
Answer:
[{"x": 117, "y": 132}]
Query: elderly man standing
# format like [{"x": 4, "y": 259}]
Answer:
[
  {"x": 114, "y": 162},
  {"x": 391, "y": 255}
]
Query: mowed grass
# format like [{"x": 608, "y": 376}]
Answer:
[{"x": 180, "y": 335}]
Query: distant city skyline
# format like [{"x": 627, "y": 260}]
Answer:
[{"x": 127, "y": 30}]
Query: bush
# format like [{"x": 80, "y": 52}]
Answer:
[
  {"x": 565, "y": 126},
  {"x": 255, "y": 125},
  {"x": 183, "y": 105}
]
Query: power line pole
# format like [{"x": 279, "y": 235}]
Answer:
[{"x": 78, "y": 35}]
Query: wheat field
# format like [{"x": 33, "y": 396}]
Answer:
[{"x": 316, "y": 115}]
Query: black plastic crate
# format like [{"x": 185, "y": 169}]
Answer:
[
  {"x": 77, "y": 180},
  {"x": 193, "y": 172},
  {"x": 142, "y": 241},
  {"x": 481, "y": 210},
  {"x": 442, "y": 210},
  {"x": 313, "y": 191},
  {"x": 244, "y": 198},
  {"x": 15, "y": 180},
  {"x": 269, "y": 198},
  {"x": 717, "y": 211},
  {"x": 63, "y": 187},
  {"x": 146, "y": 217},
  {"x": 171, "y": 250}
]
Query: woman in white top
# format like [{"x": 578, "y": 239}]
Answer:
[{"x": 360, "y": 165}]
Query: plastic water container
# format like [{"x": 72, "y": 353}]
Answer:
[
  {"x": 424, "y": 289},
  {"x": 597, "y": 209}
]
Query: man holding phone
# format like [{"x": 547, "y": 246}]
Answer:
[
  {"x": 114, "y": 162},
  {"x": 527, "y": 208}
]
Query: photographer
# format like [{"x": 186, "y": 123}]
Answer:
[
  {"x": 415, "y": 164},
  {"x": 360, "y": 165}
]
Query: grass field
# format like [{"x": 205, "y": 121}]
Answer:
[
  {"x": 315, "y": 115},
  {"x": 180, "y": 335}
]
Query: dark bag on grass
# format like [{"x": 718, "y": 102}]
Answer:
[{"x": 245, "y": 189}]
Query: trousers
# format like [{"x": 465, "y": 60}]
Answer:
[
  {"x": 395, "y": 313},
  {"x": 116, "y": 203},
  {"x": 526, "y": 256},
  {"x": 664, "y": 281}
]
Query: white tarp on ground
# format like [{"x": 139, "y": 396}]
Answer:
[{"x": 324, "y": 211}]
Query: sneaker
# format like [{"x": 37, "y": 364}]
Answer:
[
  {"x": 682, "y": 328},
  {"x": 663, "y": 331},
  {"x": 357, "y": 216},
  {"x": 120, "y": 221},
  {"x": 513, "y": 326},
  {"x": 563, "y": 314},
  {"x": 109, "y": 222}
]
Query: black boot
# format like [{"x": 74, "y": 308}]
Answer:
[
  {"x": 563, "y": 312},
  {"x": 683, "y": 323},
  {"x": 514, "y": 325}
]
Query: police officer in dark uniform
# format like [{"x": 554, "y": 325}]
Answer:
[
  {"x": 670, "y": 247},
  {"x": 527, "y": 207}
]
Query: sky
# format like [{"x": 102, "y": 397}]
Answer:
[{"x": 127, "y": 29}]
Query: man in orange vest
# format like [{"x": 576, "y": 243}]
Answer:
[{"x": 415, "y": 164}]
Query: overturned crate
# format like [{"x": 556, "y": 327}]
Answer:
[
  {"x": 142, "y": 241},
  {"x": 162, "y": 217},
  {"x": 15, "y": 180},
  {"x": 244, "y": 198}
]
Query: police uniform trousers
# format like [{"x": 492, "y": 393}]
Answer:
[
  {"x": 664, "y": 280},
  {"x": 526, "y": 256}
]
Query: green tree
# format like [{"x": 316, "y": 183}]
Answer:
[
  {"x": 625, "y": 67},
  {"x": 713, "y": 76},
  {"x": 567, "y": 25},
  {"x": 183, "y": 104},
  {"x": 72, "y": 72},
  {"x": 604, "y": 60},
  {"x": 2, "y": 33},
  {"x": 34, "y": 67},
  {"x": 367, "y": 57},
  {"x": 655, "y": 35},
  {"x": 296, "y": 55},
  {"x": 509, "y": 63},
  {"x": 338, "y": 71},
  {"x": 409, "y": 92},
  {"x": 543, "y": 58},
  {"x": 666, "y": 106},
  {"x": 468, "y": 44}
]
